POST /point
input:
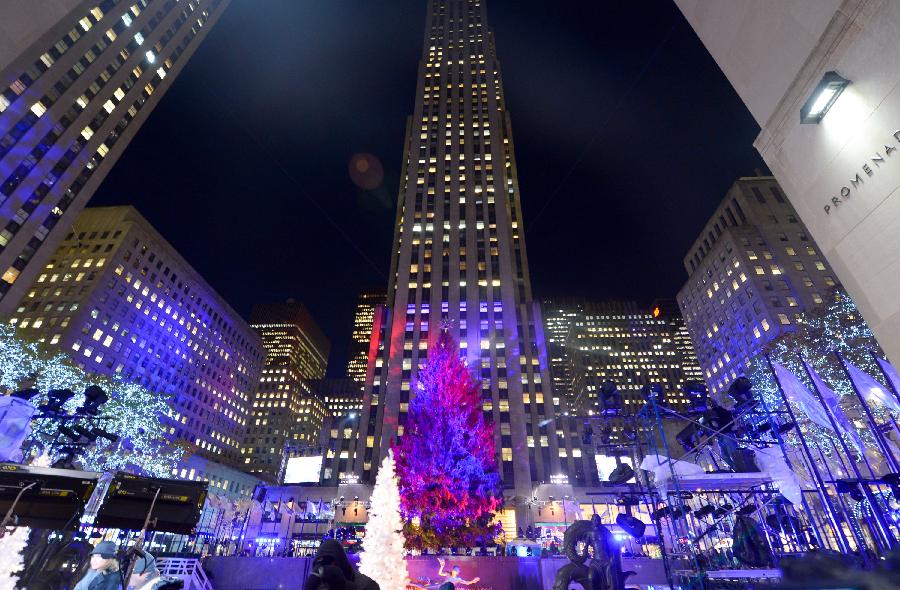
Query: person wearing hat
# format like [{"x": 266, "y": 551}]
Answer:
[
  {"x": 145, "y": 575},
  {"x": 104, "y": 570}
]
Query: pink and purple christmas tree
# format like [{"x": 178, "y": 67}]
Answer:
[{"x": 446, "y": 459}]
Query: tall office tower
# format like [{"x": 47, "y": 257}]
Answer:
[
  {"x": 559, "y": 320},
  {"x": 77, "y": 80},
  {"x": 363, "y": 319},
  {"x": 287, "y": 411},
  {"x": 753, "y": 269},
  {"x": 459, "y": 261},
  {"x": 668, "y": 311},
  {"x": 622, "y": 342},
  {"x": 343, "y": 403},
  {"x": 118, "y": 298}
]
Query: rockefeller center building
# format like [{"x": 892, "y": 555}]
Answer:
[
  {"x": 119, "y": 299},
  {"x": 286, "y": 410},
  {"x": 77, "y": 81},
  {"x": 363, "y": 319},
  {"x": 459, "y": 262},
  {"x": 752, "y": 271}
]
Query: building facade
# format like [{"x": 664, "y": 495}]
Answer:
[
  {"x": 343, "y": 403},
  {"x": 623, "y": 343},
  {"x": 459, "y": 260},
  {"x": 363, "y": 320},
  {"x": 841, "y": 174},
  {"x": 77, "y": 80},
  {"x": 286, "y": 410},
  {"x": 119, "y": 299},
  {"x": 752, "y": 271}
]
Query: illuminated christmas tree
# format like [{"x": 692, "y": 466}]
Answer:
[
  {"x": 446, "y": 462},
  {"x": 382, "y": 558},
  {"x": 132, "y": 412},
  {"x": 817, "y": 335}
]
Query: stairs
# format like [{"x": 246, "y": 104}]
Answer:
[{"x": 187, "y": 569}]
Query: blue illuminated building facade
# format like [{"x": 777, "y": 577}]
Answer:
[
  {"x": 119, "y": 299},
  {"x": 72, "y": 96}
]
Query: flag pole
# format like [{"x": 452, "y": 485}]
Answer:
[
  {"x": 820, "y": 484},
  {"x": 876, "y": 430},
  {"x": 876, "y": 507}
]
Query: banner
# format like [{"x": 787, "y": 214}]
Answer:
[
  {"x": 891, "y": 373},
  {"x": 832, "y": 400},
  {"x": 871, "y": 390},
  {"x": 797, "y": 393}
]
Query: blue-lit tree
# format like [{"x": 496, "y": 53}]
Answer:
[
  {"x": 817, "y": 335},
  {"x": 133, "y": 413}
]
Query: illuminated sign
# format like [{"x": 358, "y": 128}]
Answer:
[
  {"x": 349, "y": 479},
  {"x": 303, "y": 469}
]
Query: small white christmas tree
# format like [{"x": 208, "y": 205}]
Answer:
[
  {"x": 11, "y": 560},
  {"x": 382, "y": 556}
]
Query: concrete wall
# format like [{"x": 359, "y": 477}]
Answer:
[
  {"x": 496, "y": 573},
  {"x": 843, "y": 174},
  {"x": 22, "y": 22},
  {"x": 759, "y": 44}
]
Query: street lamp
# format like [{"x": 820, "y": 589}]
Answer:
[{"x": 825, "y": 94}]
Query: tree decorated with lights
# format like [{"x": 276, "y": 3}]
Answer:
[
  {"x": 817, "y": 335},
  {"x": 132, "y": 412},
  {"x": 449, "y": 484},
  {"x": 382, "y": 558}
]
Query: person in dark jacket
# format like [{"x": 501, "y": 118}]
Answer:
[
  {"x": 331, "y": 553},
  {"x": 104, "y": 572},
  {"x": 326, "y": 577}
]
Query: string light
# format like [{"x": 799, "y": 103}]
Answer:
[{"x": 132, "y": 413}]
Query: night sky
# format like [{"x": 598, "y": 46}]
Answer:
[{"x": 626, "y": 132}]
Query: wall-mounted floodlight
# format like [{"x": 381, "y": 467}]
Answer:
[{"x": 825, "y": 94}]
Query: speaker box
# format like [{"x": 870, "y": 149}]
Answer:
[
  {"x": 177, "y": 509},
  {"x": 55, "y": 501}
]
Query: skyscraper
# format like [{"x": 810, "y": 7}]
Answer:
[
  {"x": 77, "y": 80},
  {"x": 459, "y": 260},
  {"x": 118, "y": 298},
  {"x": 363, "y": 320},
  {"x": 594, "y": 342},
  {"x": 752, "y": 271},
  {"x": 287, "y": 411}
]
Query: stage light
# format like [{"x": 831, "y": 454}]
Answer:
[
  {"x": 654, "y": 391},
  {"x": 104, "y": 434},
  {"x": 631, "y": 525},
  {"x": 71, "y": 434},
  {"x": 56, "y": 399},
  {"x": 697, "y": 394},
  {"x": 624, "y": 500},
  {"x": 610, "y": 398},
  {"x": 722, "y": 510},
  {"x": 740, "y": 390},
  {"x": 621, "y": 474},
  {"x": 26, "y": 394},
  {"x": 746, "y": 509},
  {"x": 704, "y": 511},
  {"x": 94, "y": 397},
  {"x": 91, "y": 436},
  {"x": 823, "y": 97}
]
